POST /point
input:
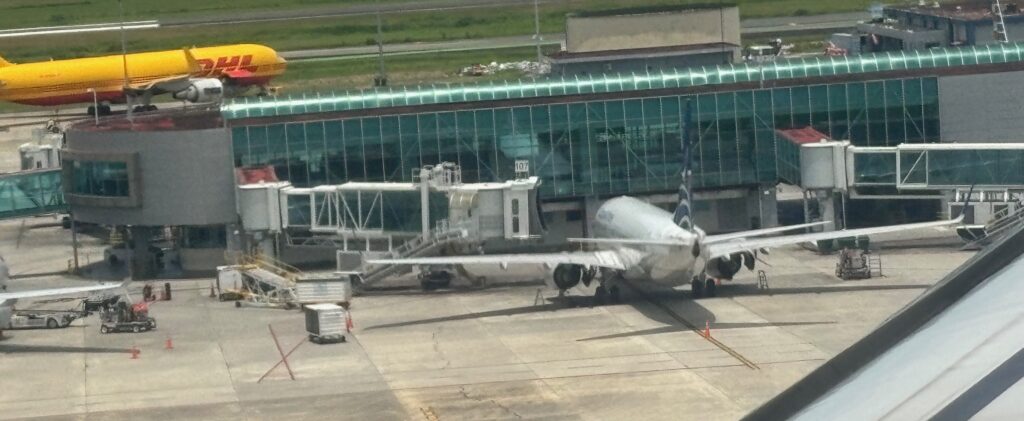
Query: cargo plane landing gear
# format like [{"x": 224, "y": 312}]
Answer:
[{"x": 103, "y": 110}]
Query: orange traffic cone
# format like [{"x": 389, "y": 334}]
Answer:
[
  {"x": 348, "y": 323},
  {"x": 707, "y": 329},
  {"x": 135, "y": 352},
  {"x": 169, "y": 344}
]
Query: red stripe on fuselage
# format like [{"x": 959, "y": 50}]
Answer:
[{"x": 50, "y": 101}]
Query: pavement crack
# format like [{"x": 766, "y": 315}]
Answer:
[
  {"x": 510, "y": 411},
  {"x": 437, "y": 349}
]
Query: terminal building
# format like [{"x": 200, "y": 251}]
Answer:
[
  {"x": 648, "y": 40},
  {"x": 584, "y": 138},
  {"x": 934, "y": 24}
]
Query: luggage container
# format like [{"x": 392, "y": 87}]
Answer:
[
  {"x": 326, "y": 323},
  {"x": 324, "y": 288}
]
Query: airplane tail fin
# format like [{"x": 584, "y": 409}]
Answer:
[
  {"x": 5, "y": 63},
  {"x": 683, "y": 216}
]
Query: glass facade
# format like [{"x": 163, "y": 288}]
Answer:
[
  {"x": 99, "y": 178},
  {"x": 31, "y": 193},
  {"x": 983, "y": 166},
  {"x": 597, "y": 147}
]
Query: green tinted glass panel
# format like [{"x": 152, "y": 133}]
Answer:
[
  {"x": 781, "y": 69},
  {"x": 99, "y": 178}
]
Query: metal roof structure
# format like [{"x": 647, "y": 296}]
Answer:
[{"x": 795, "y": 68}]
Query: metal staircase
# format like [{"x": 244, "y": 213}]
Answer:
[
  {"x": 998, "y": 23},
  {"x": 418, "y": 246},
  {"x": 1003, "y": 222}
]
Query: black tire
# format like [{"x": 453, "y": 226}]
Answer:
[
  {"x": 105, "y": 110},
  {"x": 601, "y": 294},
  {"x": 52, "y": 324},
  {"x": 103, "y": 329},
  {"x": 615, "y": 293},
  {"x": 91, "y": 111},
  {"x": 135, "y": 329},
  {"x": 343, "y": 340},
  {"x": 696, "y": 288},
  {"x": 710, "y": 288}
]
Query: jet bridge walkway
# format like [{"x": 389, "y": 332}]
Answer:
[{"x": 31, "y": 193}]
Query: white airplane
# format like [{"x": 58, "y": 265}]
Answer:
[
  {"x": 642, "y": 242},
  {"x": 8, "y": 299}
]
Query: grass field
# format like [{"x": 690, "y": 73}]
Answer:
[
  {"x": 318, "y": 33},
  {"x": 324, "y": 76},
  {"x": 31, "y": 13}
]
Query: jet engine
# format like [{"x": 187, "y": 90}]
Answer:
[
  {"x": 202, "y": 90},
  {"x": 566, "y": 276},
  {"x": 726, "y": 267}
]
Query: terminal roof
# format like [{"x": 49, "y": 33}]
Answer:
[{"x": 795, "y": 68}]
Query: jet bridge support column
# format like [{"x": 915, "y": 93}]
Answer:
[{"x": 425, "y": 201}]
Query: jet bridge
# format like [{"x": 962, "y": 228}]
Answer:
[
  {"x": 832, "y": 171},
  {"x": 361, "y": 219},
  {"x": 30, "y": 193}
]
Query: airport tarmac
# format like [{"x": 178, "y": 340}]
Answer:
[{"x": 506, "y": 351}]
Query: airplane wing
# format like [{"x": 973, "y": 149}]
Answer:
[
  {"x": 627, "y": 241},
  {"x": 711, "y": 239},
  {"x": 4, "y": 297},
  {"x": 165, "y": 84},
  {"x": 725, "y": 248},
  {"x": 605, "y": 259}
]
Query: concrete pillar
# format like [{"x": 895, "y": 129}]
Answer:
[
  {"x": 767, "y": 209},
  {"x": 590, "y": 206},
  {"x": 143, "y": 262}
]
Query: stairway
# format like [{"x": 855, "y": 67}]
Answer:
[
  {"x": 1003, "y": 222},
  {"x": 418, "y": 246}
]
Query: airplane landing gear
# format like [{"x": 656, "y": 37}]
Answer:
[
  {"x": 697, "y": 287},
  {"x": 710, "y": 288},
  {"x": 615, "y": 293},
  {"x": 600, "y": 294},
  {"x": 104, "y": 110}
]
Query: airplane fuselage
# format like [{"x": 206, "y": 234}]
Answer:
[
  {"x": 630, "y": 218},
  {"x": 60, "y": 82}
]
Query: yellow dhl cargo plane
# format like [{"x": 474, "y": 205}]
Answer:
[{"x": 191, "y": 74}]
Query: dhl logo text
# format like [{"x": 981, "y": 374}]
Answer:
[{"x": 223, "y": 63}]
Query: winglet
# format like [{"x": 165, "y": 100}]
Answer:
[
  {"x": 967, "y": 202},
  {"x": 5, "y": 63}
]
